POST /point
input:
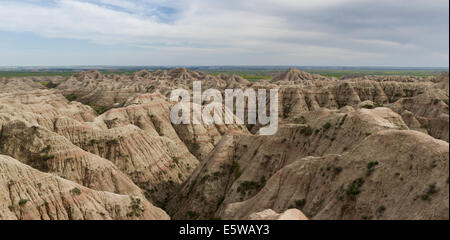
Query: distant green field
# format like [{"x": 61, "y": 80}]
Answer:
[
  {"x": 255, "y": 75},
  {"x": 34, "y": 74},
  {"x": 342, "y": 73},
  {"x": 251, "y": 74},
  {"x": 11, "y": 74}
]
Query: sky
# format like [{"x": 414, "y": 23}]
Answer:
[{"x": 401, "y": 33}]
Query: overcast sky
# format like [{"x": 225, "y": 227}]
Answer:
[{"x": 406, "y": 33}]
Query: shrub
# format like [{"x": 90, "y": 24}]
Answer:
[
  {"x": 327, "y": 125},
  {"x": 71, "y": 97},
  {"x": 371, "y": 167},
  {"x": 425, "y": 197},
  {"x": 337, "y": 170},
  {"x": 47, "y": 148},
  {"x": 204, "y": 178},
  {"x": 355, "y": 188},
  {"x": 93, "y": 141},
  {"x": 343, "y": 120},
  {"x": 99, "y": 109},
  {"x": 112, "y": 142},
  {"x": 308, "y": 131},
  {"x": 432, "y": 189},
  {"x": 47, "y": 157},
  {"x": 300, "y": 203},
  {"x": 368, "y": 106},
  {"x": 381, "y": 210},
  {"x": 195, "y": 146},
  {"x": 135, "y": 207},
  {"x": 248, "y": 186},
  {"x": 22, "y": 202},
  {"x": 235, "y": 168},
  {"x": 192, "y": 214},
  {"x": 76, "y": 191}
]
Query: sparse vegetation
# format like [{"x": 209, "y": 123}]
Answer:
[
  {"x": 432, "y": 189},
  {"x": 195, "y": 146},
  {"x": 99, "y": 109},
  {"x": 135, "y": 208},
  {"x": 326, "y": 126},
  {"x": 337, "y": 170},
  {"x": 76, "y": 191},
  {"x": 371, "y": 167},
  {"x": 22, "y": 202},
  {"x": 112, "y": 142},
  {"x": 92, "y": 142},
  {"x": 368, "y": 106},
  {"x": 71, "y": 97},
  {"x": 246, "y": 186},
  {"x": 343, "y": 120},
  {"x": 381, "y": 210},
  {"x": 300, "y": 203},
  {"x": 250, "y": 186},
  {"x": 235, "y": 168},
  {"x": 46, "y": 148},
  {"x": 192, "y": 214},
  {"x": 354, "y": 188},
  {"x": 308, "y": 131}
]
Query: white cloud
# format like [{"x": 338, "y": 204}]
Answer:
[{"x": 216, "y": 27}]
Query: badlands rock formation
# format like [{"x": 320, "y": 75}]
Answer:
[
  {"x": 102, "y": 146},
  {"x": 27, "y": 193},
  {"x": 364, "y": 183},
  {"x": 269, "y": 214}
]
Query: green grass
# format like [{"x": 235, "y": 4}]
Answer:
[
  {"x": 11, "y": 74},
  {"x": 250, "y": 74},
  {"x": 255, "y": 75},
  {"x": 254, "y": 78},
  {"x": 343, "y": 73}
]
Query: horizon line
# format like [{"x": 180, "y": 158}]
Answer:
[{"x": 181, "y": 65}]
